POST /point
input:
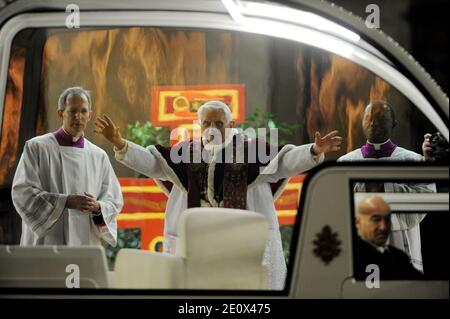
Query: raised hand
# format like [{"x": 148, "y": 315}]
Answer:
[
  {"x": 329, "y": 143},
  {"x": 106, "y": 127},
  {"x": 426, "y": 147}
]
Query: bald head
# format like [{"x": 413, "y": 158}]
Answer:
[
  {"x": 378, "y": 122},
  {"x": 373, "y": 204},
  {"x": 373, "y": 220}
]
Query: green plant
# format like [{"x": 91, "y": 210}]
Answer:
[
  {"x": 286, "y": 238},
  {"x": 126, "y": 238},
  {"x": 147, "y": 134},
  {"x": 260, "y": 119}
]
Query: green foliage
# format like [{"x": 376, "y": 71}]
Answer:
[
  {"x": 147, "y": 134},
  {"x": 126, "y": 238},
  {"x": 260, "y": 119},
  {"x": 286, "y": 238}
]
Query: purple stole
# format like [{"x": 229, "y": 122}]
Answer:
[
  {"x": 230, "y": 179},
  {"x": 386, "y": 149},
  {"x": 65, "y": 139}
]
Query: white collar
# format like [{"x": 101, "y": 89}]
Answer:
[
  {"x": 381, "y": 249},
  {"x": 74, "y": 138},
  {"x": 377, "y": 146}
]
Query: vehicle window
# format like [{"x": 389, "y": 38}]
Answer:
[
  {"x": 151, "y": 81},
  {"x": 399, "y": 230}
]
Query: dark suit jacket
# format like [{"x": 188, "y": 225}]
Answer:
[{"x": 393, "y": 263}]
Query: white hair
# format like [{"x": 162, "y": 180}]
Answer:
[
  {"x": 215, "y": 105},
  {"x": 76, "y": 90}
]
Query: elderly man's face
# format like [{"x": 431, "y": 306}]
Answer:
[
  {"x": 214, "y": 122},
  {"x": 373, "y": 221},
  {"x": 377, "y": 123},
  {"x": 76, "y": 115}
]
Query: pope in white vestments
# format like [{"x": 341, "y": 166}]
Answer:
[
  {"x": 378, "y": 122},
  {"x": 64, "y": 188},
  {"x": 252, "y": 186}
]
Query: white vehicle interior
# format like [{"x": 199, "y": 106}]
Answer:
[
  {"x": 232, "y": 245},
  {"x": 235, "y": 256}
]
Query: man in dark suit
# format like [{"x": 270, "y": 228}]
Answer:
[{"x": 373, "y": 224}]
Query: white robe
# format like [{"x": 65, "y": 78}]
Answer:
[
  {"x": 405, "y": 233},
  {"x": 291, "y": 160},
  {"x": 46, "y": 174}
]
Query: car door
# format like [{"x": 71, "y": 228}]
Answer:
[{"x": 325, "y": 252}]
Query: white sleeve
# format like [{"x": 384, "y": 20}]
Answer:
[
  {"x": 140, "y": 159},
  {"x": 111, "y": 203},
  {"x": 290, "y": 161},
  {"x": 415, "y": 188},
  {"x": 408, "y": 221},
  {"x": 38, "y": 208}
]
